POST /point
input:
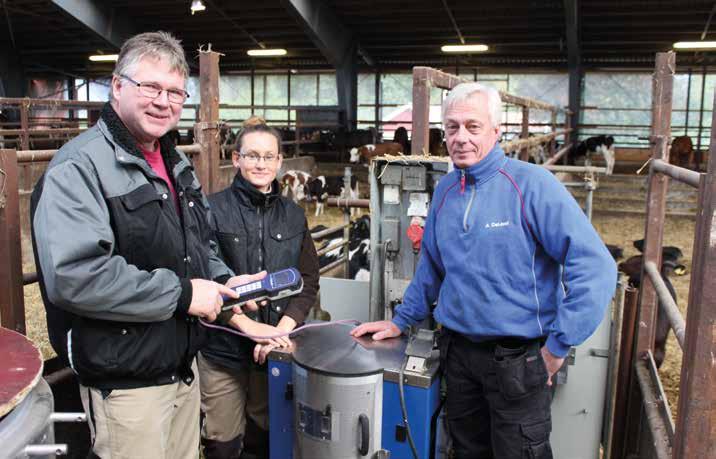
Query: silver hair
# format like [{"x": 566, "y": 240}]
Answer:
[
  {"x": 463, "y": 91},
  {"x": 158, "y": 45}
]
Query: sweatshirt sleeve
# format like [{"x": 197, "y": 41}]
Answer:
[
  {"x": 424, "y": 289},
  {"x": 589, "y": 272},
  {"x": 75, "y": 246}
]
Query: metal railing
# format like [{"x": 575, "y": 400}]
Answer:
[{"x": 651, "y": 430}]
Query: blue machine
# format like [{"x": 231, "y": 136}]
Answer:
[{"x": 346, "y": 391}]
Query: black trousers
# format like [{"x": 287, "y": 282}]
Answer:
[{"x": 498, "y": 401}]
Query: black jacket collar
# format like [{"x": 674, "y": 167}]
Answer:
[
  {"x": 250, "y": 196},
  {"x": 124, "y": 138}
]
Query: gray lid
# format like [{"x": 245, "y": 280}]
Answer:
[{"x": 332, "y": 350}]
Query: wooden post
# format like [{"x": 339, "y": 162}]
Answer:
[
  {"x": 696, "y": 423},
  {"x": 662, "y": 87},
  {"x": 568, "y": 137},
  {"x": 12, "y": 301},
  {"x": 206, "y": 131},
  {"x": 25, "y": 124},
  {"x": 525, "y": 151},
  {"x": 420, "y": 136}
]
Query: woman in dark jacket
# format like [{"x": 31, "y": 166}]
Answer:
[{"x": 256, "y": 229}]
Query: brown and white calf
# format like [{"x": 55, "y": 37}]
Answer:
[
  {"x": 367, "y": 152},
  {"x": 295, "y": 181}
]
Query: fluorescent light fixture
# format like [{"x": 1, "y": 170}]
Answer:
[
  {"x": 104, "y": 57},
  {"x": 695, "y": 45},
  {"x": 197, "y": 5},
  {"x": 464, "y": 48},
  {"x": 266, "y": 52}
]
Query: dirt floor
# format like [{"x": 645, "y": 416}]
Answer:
[{"x": 621, "y": 231}]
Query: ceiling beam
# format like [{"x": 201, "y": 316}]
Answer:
[
  {"x": 109, "y": 24},
  {"x": 574, "y": 63},
  {"x": 325, "y": 29}
]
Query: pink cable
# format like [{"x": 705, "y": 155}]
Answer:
[{"x": 278, "y": 335}]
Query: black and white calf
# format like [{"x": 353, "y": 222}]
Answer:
[
  {"x": 320, "y": 188},
  {"x": 358, "y": 249},
  {"x": 601, "y": 144}
]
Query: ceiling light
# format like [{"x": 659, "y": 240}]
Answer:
[
  {"x": 463, "y": 48},
  {"x": 197, "y": 5},
  {"x": 104, "y": 57},
  {"x": 266, "y": 52},
  {"x": 695, "y": 45}
]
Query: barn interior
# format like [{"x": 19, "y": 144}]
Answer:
[{"x": 580, "y": 80}]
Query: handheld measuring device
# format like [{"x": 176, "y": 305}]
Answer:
[{"x": 275, "y": 286}]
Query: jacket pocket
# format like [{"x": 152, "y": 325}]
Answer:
[
  {"x": 145, "y": 234},
  {"x": 233, "y": 249},
  {"x": 520, "y": 372},
  {"x": 107, "y": 351},
  {"x": 535, "y": 440}
]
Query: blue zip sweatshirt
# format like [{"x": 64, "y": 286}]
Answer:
[{"x": 507, "y": 251}]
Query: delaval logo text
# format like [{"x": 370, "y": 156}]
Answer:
[{"x": 497, "y": 224}]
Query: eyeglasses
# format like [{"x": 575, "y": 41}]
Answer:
[
  {"x": 153, "y": 90},
  {"x": 253, "y": 158}
]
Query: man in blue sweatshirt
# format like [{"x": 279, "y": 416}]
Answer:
[{"x": 519, "y": 276}]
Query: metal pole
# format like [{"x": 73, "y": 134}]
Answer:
[
  {"x": 347, "y": 218},
  {"x": 524, "y": 152},
  {"x": 688, "y": 102},
  {"x": 696, "y": 423},
  {"x": 377, "y": 99},
  {"x": 589, "y": 186},
  {"x": 701, "y": 109},
  {"x": 377, "y": 272}
]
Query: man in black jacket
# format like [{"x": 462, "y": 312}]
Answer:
[
  {"x": 256, "y": 229},
  {"x": 123, "y": 251}
]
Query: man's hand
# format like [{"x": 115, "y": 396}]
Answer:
[
  {"x": 206, "y": 299},
  {"x": 241, "y": 280},
  {"x": 552, "y": 362},
  {"x": 381, "y": 330},
  {"x": 261, "y": 352}
]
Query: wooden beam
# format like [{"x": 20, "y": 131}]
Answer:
[
  {"x": 12, "y": 301},
  {"x": 696, "y": 423},
  {"x": 206, "y": 131}
]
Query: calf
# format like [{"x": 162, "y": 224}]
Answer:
[
  {"x": 401, "y": 137},
  {"x": 321, "y": 187},
  {"x": 436, "y": 142},
  {"x": 295, "y": 181},
  {"x": 682, "y": 152},
  {"x": 602, "y": 144},
  {"x": 332, "y": 255},
  {"x": 359, "y": 258},
  {"x": 368, "y": 152},
  {"x": 669, "y": 265}
]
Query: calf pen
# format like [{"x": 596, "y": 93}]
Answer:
[{"x": 648, "y": 429}]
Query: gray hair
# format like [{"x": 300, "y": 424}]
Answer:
[
  {"x": 463, "y": 91},
  {"x": 158, "y": 45}
]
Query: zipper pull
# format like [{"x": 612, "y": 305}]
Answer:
[{"x": 462, "y": 181}]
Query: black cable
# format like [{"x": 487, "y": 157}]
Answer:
[{"x": 405, "y": 410}]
